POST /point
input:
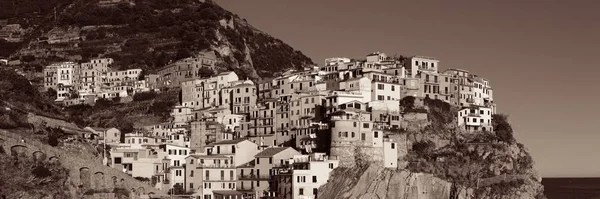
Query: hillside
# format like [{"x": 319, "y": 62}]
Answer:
[
  {"x": 439, "y": 160},
  {"x": 149, "y": 34}
]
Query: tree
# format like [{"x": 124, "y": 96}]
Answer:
[
  {"x": 206, "y": 72},
  {"x": 503, "y": 130},
  {"x": 177, "y": 189},
  {"x": 408, "y": 102},
  {"x": 53, "y": 134},
  {"x": 51, "y": 93}
]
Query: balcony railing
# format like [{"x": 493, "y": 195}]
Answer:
[
  {"x": 227, "y": 166},
  {"x": 253, "y": 177}
]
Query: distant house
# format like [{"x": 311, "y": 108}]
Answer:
[{"x": 112, "y": 135}]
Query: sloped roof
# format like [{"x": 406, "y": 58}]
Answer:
[
  {"x": 230, "y": 141},
  {"x": 270, "y": 152}
]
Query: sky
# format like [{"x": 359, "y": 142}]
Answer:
[{"x": 541, "y": 57}]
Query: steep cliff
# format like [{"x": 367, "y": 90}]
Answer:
[{"x": 436, "y": 159}]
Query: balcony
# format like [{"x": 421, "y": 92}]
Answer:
[
  {"x": 282, "y": 128},
  {"x": 223, "y": 166},
  {"x": 253, "y": 177}
]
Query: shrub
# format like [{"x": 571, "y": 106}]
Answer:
[
  {"x": 423, "y": 148},
  {"x": 407, "y": 102},
  {"x": 143, "y": 96},
  {"x": 102, "y": 103},
  {"x": 503, "y": 130},
  {"x": 206, "y": 72},
  {"x": 177, "y": 189},
  {"x": 41, "y": 172}
]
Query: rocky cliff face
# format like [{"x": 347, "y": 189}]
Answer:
[
  {"x": 436, "y": 159},
  {"x": 374, "y": 181}
]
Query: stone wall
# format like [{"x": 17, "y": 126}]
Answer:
[
  {"x": 347, "y": 154},
  {"x": 85, "y": 171},
  {"x": 39, "y": 121},
  {"x": 414, "y": 121}
]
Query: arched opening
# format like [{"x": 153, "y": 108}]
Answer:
[
  {"x": 142, "y": 191},
  {"x": 39, "y": 156},
  {"x": 18, "y": 150},
  {"x": 115, "y": 181},
  {"x": 84, "y": 177},
  {"x": 99, "y": 180},
  {"x": 54, "y": 160}
]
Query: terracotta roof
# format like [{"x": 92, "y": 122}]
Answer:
[{"x": 270, "y": 152}]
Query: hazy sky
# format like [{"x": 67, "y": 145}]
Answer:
[{"x": 541, "y": 57}]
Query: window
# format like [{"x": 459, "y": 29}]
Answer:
[
  {"x": 207, "y": 175},
  {"x": 354, "y": 124},
  {"x": 376, "y": 134},
  {"x": 362, "y": 137},
  {"x": 301, "y": 191},
  {"x": 352, "y": 134},
  {"x": 191, "y": 173},
  {"x": 365, "y": 125},
  {"x": 380, "y": 86},
  {"x": 314, "y": 179},
  {"x": 257, "y": 160},
  {"x": 315, "y": 191},
  {"x": 117, "y": 160},
  {"x": 331, "y": 165},
  {"x": 191, "y": 185},
  {"x": 393, "y": 145},
  {"x": 270, "y": 160}
]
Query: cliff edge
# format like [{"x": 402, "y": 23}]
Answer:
[{"x": 438, "y": 159}]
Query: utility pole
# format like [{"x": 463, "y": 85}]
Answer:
[{"x": 104, "y": 161}]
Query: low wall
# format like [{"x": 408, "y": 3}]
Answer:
[{"x": 85, "y": 171}]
